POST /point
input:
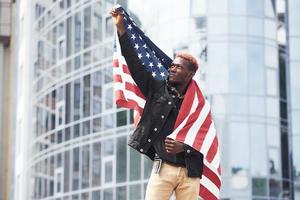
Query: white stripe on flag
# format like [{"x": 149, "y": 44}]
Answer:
[
  {"x": 192, "y": 133},
  {"x": 210, "y": 136},
  {"x": 129, "y": 95},
  {"x": 193, "y": 108},
  {"x": 210, "y": 186},
  {"x": 212, "y": 168},
  {"x": 216, "y": 160}
]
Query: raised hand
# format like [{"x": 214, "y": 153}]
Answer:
[{"x": 118, "y": 20}]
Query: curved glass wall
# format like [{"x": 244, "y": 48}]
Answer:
[
  {"x": 237, "y": 43},
  {"x": 80, "y": 147},
  {"x": 80, "y": 143}
]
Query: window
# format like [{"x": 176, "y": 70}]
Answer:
[
  {"x": 255, "y": 27},
  {"x": 135, "y": 192},
  {"x": 86, "y": 127},
  {"x": 77, "y": 62},
  {"x": 121, "y": 159},
  {"x": 66, "y": 171},
  {"x": 257, "y": 106},
  {"x": 270, "y": 8},
  {"x": 258, "y": 150},
  {"x": 108, "y": 194},
  {"x": 270, "y": 29},
  {"x": 97, "y": 125},
  {"x": 238, "y": 68},
  {"x": 87, "y": 57},
  {"x": 237, "y": 7},
  {"x": 274, "y": 165},
  {"x": 135, "y": 165},
  {"x": 96, "y": 164},
  {"x": 85, "y": 166},
  {"x": 96, "y": 195},
  {"x": 61, "y": 48},
  {"x": 255, "y": 7},
  {"x": 60, "y": 113},
  {"x": 217, "y": 7},
  {"x": 109, "y": 121},
  {"x": 198, "y": 7},
  {"x": 109, "y": 29},
  {"x": 217, "y": 25},
  {"x": 97, "y": 26},
  {"x": 75, "y": 182},
  {"x": 86, "y": 95},
  {"x": 69, "y": 36},
  {"x": 147, "y": 167},
  {"x": 121, "y": 118},
  {"x": 271, "y": 56},
  {"x": 87, "y": 27},
  {"x": 272, "y": 105},
  {"x": 58, "y": 180},
  {"x": 237, "y": 25},
  {"x": 259, "y": 187},
  {"x": 275, "y": 188},
  {"x": 121, "y": 193},
  {"x": 256, "y": 69},
  {"x": 68, "y": 103},
  {"x": 77, "y": 38},
  {"x": 108, "y": 170},
  {"x": 239, "y": 159},
  {"x": 109, "y": 95},
  {"x": 77, "y": 94},
  {"x": 97, "y": 92}
]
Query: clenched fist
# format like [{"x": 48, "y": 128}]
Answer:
[{"x": 118, "y": 20}]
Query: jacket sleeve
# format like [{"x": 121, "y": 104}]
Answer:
[
  {"x": 194, "y": 161},
  {"x": 142, "y": 78}
]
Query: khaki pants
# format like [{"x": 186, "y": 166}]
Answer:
[{"x": 169, "y": 179}]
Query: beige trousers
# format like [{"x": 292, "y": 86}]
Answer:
[{"x": 171, "y": 179}]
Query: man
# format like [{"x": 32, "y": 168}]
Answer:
[{"x": 177, "y": 166}]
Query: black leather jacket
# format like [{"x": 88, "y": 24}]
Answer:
[{"x": 158, "y": 105}]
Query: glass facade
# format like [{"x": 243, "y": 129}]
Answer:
[
  {"x": 79, "y": 149},
  {"x": 78, "y": 146}
]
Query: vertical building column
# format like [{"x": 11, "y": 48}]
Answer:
[
  {"x": 294, "y": 88},
  {"x": 1, "y": 117}
]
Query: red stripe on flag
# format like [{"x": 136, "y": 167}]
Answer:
[
  {"x": 127, "y": 103},
  {"x": 183, "y": 113},
  {"x": 202, "y": 132},
  {"x": 118, "y": 78},
  {"x": 126, "y": 69},
  {"x": 115, "y": 63},
  {"x": 219, "y": 169},
  {"x": 211, "y": 176},
  {"x": 212, "y": 150},
  {"x": 134, "y": 89},
  {"x": 206, "y": 194},
  {"x": 192, "y": 118}
]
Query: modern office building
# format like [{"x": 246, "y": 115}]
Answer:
[
  {"x": 71, "y": 138},
  {"x": 7, "y": 94}
]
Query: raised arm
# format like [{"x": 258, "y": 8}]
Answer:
[{"x": 141, "y": 76}]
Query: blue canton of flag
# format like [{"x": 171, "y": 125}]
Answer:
[{"x": 155, "y": 60}]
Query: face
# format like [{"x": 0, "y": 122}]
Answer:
[{"x": 179, "y": 72}]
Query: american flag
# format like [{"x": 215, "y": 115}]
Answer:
[{"x": 194, "y": 125}]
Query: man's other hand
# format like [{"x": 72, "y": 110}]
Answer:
[{"x": 173, "y": 146}]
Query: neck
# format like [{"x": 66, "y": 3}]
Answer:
[{"x": 181, "y": 88}]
